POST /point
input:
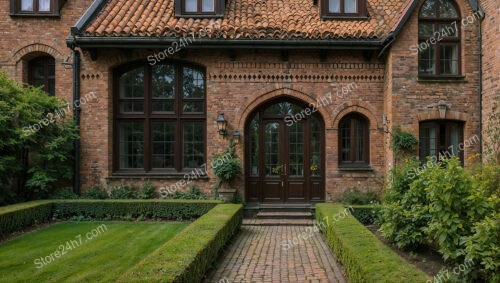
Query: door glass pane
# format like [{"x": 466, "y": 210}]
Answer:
[
  {"x": 132, "y": 84},
  {"x": 296, "y": 149},
  {"x": 163, "y": 140},
  {"x": 283, "y": 109},
  {"x": 271, "y": 148},
  {"x": 350, "y": 6},
  {"x": 44, "y": 5},
  {"x": 27, "y": 5},
  {"x": 334, "y": 6},
  {"x": 191, "y": 5},
  {"x": 426, "y": 61},
  {"x": 315, "y": 159},
  {"x": 254, "y": 146},
  {"x": 193, "y": 144},
  {"x": 449, "y": 59},
  {"x": 208, "y": 6},
  {"x": 131, "y": 144}
]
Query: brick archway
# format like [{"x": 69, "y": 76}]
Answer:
[
  {"x": 281, "y": 92},
  {"x": 359, "y": 108}
]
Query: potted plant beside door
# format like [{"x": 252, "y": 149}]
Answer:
[{"x": 227, "y": 167}]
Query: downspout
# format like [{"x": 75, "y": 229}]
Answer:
[
  {"x": 481, "y": 86},
  {"x": 76, "y": 118}
]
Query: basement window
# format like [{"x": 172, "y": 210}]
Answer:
[
  {"x": 346, "y": 9},
  {"x": 38, "y": 8},
  {"x": 199, "y": 8}
]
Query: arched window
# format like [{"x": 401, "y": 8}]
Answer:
[
  {"x": 160, "y": 116},
  {"x": 42, "y": 72},
  {"x": 354, "y": 141},
  {"x": 439, "y": 39}
]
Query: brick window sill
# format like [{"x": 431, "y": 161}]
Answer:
[
  {"x": 156, "y": 175},
  {"x": 442, "y": 79},
  {"x": 355, "y": 169}
]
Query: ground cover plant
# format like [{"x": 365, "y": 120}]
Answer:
[{"x": 105, "y": 257}]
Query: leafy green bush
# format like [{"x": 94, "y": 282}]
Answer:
[
  {"x": 357, "y": 197},
  {"x": 16, "y": 217},
  {"x": 147, "y": 191},
  {"x": 95, "y": 192},
  {"x": 64, "y": 193},
  {"x": 123, "y": 191},
  {"x": 402, "y": 140},
  {"x": 230, "y": 167},
  {"x": 36, "y": 144},
  {"x": 364, "y": 257},
  {"x": 366, "y": 214},
  {"x": 187, "y": 256},
  {"x": 193, "y": 193},
  {"x": 405, "y": 213}
]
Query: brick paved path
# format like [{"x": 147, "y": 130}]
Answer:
[{"x": 257, "y": 255}]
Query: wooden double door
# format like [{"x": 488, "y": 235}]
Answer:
[{"x": 284, "y": 154}]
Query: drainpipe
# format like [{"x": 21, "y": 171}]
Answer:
[
  {"x": 76, "y": 118},
  {"x": 481, "y": 86}
]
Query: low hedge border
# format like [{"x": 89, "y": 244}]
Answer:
[
  {"x": 364, "y": 257},
  {"x": 366, "y": 214},
  {"x": 188, "y": 255},
  {"x": 16, "y": 217}
]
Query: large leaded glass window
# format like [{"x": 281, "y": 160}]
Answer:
[
  {"x": 160, "y": 117},
  {"x": 439, "y": 39}
]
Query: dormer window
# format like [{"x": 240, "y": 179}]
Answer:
[
  {"x": 35, "y": 7},
  {"x": 199, "y": 8},
  {"x": 343, "y": 8}
]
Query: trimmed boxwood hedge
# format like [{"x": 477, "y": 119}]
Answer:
[
  {"x": 106, "y": 209},
  {"x": 364, "y": 257},
  {"x": 18, "y": 216},
  {"x": 187, "y": 256},
  {"x": 366, "y": 214}
]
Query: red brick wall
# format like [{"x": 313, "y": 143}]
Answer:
[
  {"x": 491, "y": 58},
  {"x": 411, "y": 99}
]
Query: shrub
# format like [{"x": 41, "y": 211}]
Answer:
[
  {"x": 18, "y": 216},
  {"x": 364, "y": 257},
  {"x": 366, "y": 214},
  {"x": 230, "y": 167},
  {"x": 117, "y": 209},
  {"x": 95, "y": 192},
  {"x": 357, "y": 197},
  {"x": 187, "y": 256},
  {"x": 193, "y": 193},
  {"x": 64, "y": 193},
  {"x": 37, "y": 142},
  {"x": 123, "y": 191},
  {"x": 147, "y": 191}
]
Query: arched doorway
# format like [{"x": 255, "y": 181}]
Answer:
[{"x": 285, "y": 153}]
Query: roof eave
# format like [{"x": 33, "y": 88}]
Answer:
[{"x": 86, "y": 42}]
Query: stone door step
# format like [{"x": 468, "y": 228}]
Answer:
[
  {"x": 278, "y": 222},
  {"x": 284, "y": 215}
]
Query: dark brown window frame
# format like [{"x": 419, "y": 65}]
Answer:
[
  {"x": 148, "y": 117},
  {"x": 360, "y": 14},
  {"x": 219, "y": 6},
  {"x": 437, "y": 46},
  {"x": 437, "y": 124},
  {"x": 366, "y": 138},
  {"x": 44, "y": 60},
  {"x": 55, "y": 9}
]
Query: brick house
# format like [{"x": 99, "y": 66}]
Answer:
[{"x": 310, "y": 90}]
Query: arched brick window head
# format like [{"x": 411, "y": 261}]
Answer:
[
  {"x": 42, "y": 72},
  {"x": 439, "y": 39}
]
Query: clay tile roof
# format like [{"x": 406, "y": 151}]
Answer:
[{"x": 244, "y": 19}]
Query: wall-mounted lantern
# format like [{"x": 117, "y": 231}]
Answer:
[
  {"x": 221, "y": 124},
  {"x": 236, "y": 137},
  {"x": 442, "y": 109}
]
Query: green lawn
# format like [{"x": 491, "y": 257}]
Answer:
[{"x": 113, "y": 249}]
